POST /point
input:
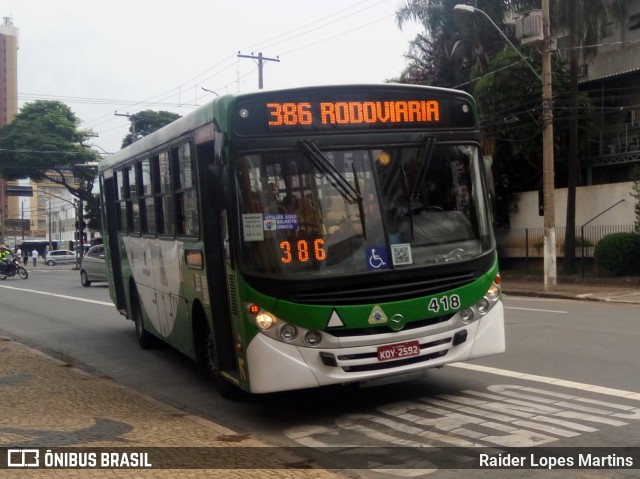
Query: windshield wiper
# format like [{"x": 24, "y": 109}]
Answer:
[
  {"x": 338, "y": 181},
  {"x": 348, "y": 192},
  {"x": 424, "y": 160}
]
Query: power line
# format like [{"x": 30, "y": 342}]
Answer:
[{"x": 220, "y": 67}]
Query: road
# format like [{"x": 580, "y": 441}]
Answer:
[{"x": 568, "y": 379}]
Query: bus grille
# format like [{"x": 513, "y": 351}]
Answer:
[
  {"x": 385, "y": 329},
  {"x": 393, "y": 291}
]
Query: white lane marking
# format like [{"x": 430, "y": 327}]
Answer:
[
  {"x": 63, "y": 296},
  {"x": 538, "y": 310},
  {"x": 548, "y": 380}
]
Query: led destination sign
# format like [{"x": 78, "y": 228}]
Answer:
[
  {"x": 329, "y": 110},
  {"x": 354, "y": 112}
]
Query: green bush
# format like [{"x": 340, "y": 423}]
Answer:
[{"x": 619, "y": 254}]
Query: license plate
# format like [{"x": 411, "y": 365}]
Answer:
[{"x": 398, "y": 350}]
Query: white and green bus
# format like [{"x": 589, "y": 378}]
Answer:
[{"x": 307, "y": 237}]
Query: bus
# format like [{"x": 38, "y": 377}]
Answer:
[{"x": 309, "y": 237}]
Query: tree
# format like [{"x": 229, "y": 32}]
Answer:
[
  {"x": 473, "y": 43},
  {"x": 147, "y": 121},
  {"x": 452, "y": 46},
  {"x": 44, "y": 143},
  {"x": 585, "y": 20},
  {"x": 509, "y": 103}
]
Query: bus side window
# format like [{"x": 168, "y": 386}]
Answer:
[
  {"x": 147, "y": 209},
  {"x": 186, "y": 194},
  {"x": 164, "y": 198},
  {"x": 121, "y": 205},
  {"x": 133, "y": 207}
]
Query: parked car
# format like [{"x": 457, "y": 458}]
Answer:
[
  {"x": 59, "y": 256},
  {"x": 93, "y": 267}
]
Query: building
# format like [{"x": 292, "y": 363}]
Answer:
[
  {"x": 610, "y": 74},
  {"x": 611, "y": 77},
  {"x": 8, "y": 99},
  {"x": 8, "y": 71}
]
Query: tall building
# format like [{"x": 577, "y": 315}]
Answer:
[
  {"x": 8, "y": 71},
  {"x": 8, "y": 97}
]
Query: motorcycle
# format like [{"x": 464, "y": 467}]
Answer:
[{"x": 11, "y": 267}]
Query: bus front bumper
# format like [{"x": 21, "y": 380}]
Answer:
[{"x": 277, "y": 366}]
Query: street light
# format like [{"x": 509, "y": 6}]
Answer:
[
  {"x": 209, "y": 91},
  {"x": 470, "y": 9},
  {"x": 548, "y": 183}
]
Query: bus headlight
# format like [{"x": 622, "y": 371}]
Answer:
[
  {"x": 279, "y": 330},
  {"x": 265, "y": 320},
  {"x": 288, "y": 332},
  {"x": 312, "y": 338},
  {"x": 494, "y": 292},
  {"x": 483, "y": 306},
  {"x": 466, "y": 315}
]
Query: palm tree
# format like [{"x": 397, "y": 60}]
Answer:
[{"x": 446, "y": 54}]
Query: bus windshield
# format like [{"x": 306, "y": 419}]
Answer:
[{"x": 309, "y": 211}]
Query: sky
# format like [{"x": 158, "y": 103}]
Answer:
[{"x": 106, "y": 56}]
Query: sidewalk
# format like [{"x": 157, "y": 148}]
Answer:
[
  {"x": 618, "y": 290},
  {"x": 47, "y": 403}
]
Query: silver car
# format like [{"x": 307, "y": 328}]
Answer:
[
  {"x": 59, "y": 256},
  {"x": 93, "y": 267}
]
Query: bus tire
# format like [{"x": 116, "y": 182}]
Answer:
[
  {"x": 146, "y": 340},
  {"x": 206, "y": 354}
]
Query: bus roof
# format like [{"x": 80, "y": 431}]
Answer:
[{"x": 218, "y": 110}]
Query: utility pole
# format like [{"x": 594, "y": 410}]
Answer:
[
  {"x": 548, "y": 182},
  {"x": 49, "y": 224},
  {"x": 261, "y": 61},
  {"x": 132, "y": 118},
  {"x": 2, "y": 204},
  {"x": 80, "y": 231}
]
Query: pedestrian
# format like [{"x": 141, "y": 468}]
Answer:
[
  {"x": 34, "y": 256},
  {"x": 25, "y": 257}
]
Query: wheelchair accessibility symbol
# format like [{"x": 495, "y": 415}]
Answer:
[{"x": 377, "y": 258}]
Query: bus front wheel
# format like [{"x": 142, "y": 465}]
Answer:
[{"x": 207, "y": 359}]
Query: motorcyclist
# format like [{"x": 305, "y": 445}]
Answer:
[{"x": 5, "y": 255}]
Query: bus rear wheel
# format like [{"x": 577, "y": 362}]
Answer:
[{"x": 146, "y": 340}]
